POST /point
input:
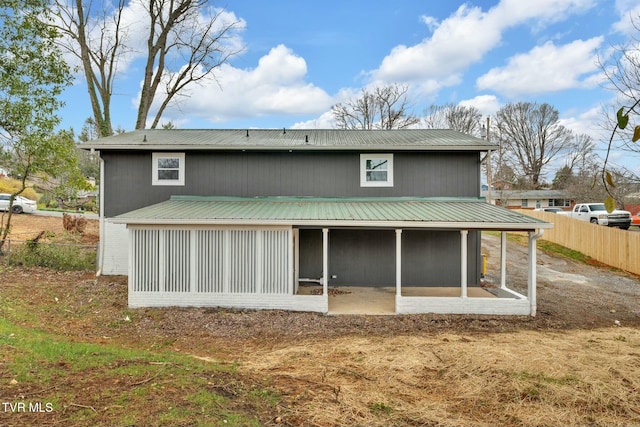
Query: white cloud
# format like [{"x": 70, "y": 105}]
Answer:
[
  {"x": 487, "y": 104},
  {"x": 629, "y": 11},
  {"x": 464, "y": 38},
  {"x": 456, "y": 42},
  {"x": 276, "y": 86},
  {"x": 588, "y": 122},
  {"x": 325, "y": 121},
  {"x": 546, "y": 68}
]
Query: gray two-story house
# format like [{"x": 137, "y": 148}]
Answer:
[{"x": 242, "y": 218}]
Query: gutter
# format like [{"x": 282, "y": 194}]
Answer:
[
  {"x": 265, "y": 147},
  {"x": 451, "y": 225}
]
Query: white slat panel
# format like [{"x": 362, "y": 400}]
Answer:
[
  {"x": 220, "y": 261},
  {"x": 145, "y": 260},
  {"x": 275, "y": 255},
  {"x": 243, "y": 261},
  {"x": 210, "y": 260},
  {"x": 177, "y": 260}
]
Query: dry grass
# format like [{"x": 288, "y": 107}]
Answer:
[{"x": 520, "y": 379}]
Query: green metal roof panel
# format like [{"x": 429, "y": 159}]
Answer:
[
  {"x": 298, "y": 139},
  {"x": 418, "y": 212}
]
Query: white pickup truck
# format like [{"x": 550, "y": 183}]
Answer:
[{"x": 596, "y": 213}]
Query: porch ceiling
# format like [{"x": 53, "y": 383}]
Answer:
[{"x": 409, "y": 212}]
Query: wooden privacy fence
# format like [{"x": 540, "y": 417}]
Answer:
[{"x": 609, "y": 245}]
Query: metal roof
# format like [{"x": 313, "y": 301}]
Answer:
[
  {"x": 401, "y": 212},
  {"x": 531, "y": 194},
  {"x": 290, "y": 139}
]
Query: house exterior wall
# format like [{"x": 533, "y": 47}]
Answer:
[
  {"x": 357, "y": 256},
  {"x": 367, "y": 257},
  {"x": 298, "y": 173},
  {"x": 362, "y": 257},
  {"x": 432, "y": 258},
  {"x": 114, "y": 249}
]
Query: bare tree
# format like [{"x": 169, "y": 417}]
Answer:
[
  {"x": 580, "y": 169},
  {"x": 457, "y": 117},
  {"x": 98, "y": 44},
  {"x": 385, "y": 107},
  {"x": 186, "y": 43},
  {"x": 533, "y": 137},
  {"x": 622, "y": 70},
  {"x": 198, "y": 45},
  {"x": 581, "y": 153}
]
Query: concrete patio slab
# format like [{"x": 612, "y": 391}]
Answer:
[{"x": 381, "y": 300}]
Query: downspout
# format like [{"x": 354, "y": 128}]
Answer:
[
  {"x": 101, "y": 219},
  {"x": 487, "y": 158},
  {"x": 533, "y": 237}
]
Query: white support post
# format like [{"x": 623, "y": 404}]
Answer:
[
  {"x": 503, "y": 259},
  {"x": 531, "y": 282},
  {"x": 463, "y": 263},
  {"x": 296, "y": 260},
  {"x": 325, "y": 263},
  {"x": 399, "y": 262}
]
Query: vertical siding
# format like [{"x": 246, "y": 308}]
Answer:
[
  {"x": 248, "y": 261},
  {"x": 145, "y": 247},
  {"x": 242, "y": 264},
  {"x": 362, "y": 257},
  {"x": 275, "y": 261},
  {"x": 322, "y": 174},
  {"x": 367, "y": 257},
  {"x": 210, "y": 257},
  {"x": 310, "y": 256},
  {"x": 432, "y": 258},
  {"x": 176, "y": 261}
]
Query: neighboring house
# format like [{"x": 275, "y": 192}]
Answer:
[
  {"x": 240, "y": 218},
  {"x": 532, "y": 199}
]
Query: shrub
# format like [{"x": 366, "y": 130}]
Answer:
[
  {"x": 10, "y": 186},
  {"x": 54, "y": 255}
]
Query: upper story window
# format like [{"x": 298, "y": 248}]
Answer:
[
  {"x": 168, "y": 169},
  {"x": 376, "y": 170}
]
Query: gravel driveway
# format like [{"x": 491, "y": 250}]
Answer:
[{"x": 576, "y": 294}]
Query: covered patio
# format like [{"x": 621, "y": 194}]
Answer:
[
  {"x": 463, "y": 299},
  {"x": 381, "y": 300},
  {"x": 245, "y": 253}
]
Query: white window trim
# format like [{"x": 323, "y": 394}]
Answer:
[
  {"x": 166, "y": 182},
  {"x": 363, "y": 170}
]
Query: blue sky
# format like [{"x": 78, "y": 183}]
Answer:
[{"x": 300, "y": 57}]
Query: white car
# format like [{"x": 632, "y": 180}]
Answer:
[{"x": 20, "y": 204}]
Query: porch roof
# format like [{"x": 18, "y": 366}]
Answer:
[{"x": 397, "y": 212}]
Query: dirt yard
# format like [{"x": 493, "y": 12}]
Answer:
[
  {"x": 573, "y": 364},
  {"x": 26, "y": 226}
]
